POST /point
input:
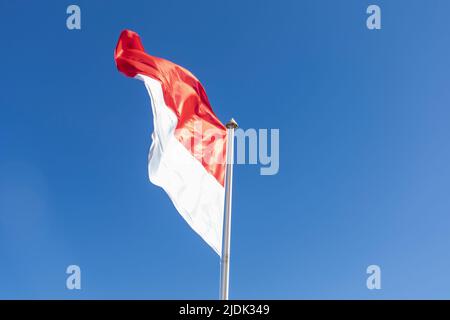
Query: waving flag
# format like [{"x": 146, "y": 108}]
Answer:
[{"x": 188, "y": 150}]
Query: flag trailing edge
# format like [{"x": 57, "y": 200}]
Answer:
[{"x": 188, "y": 151}]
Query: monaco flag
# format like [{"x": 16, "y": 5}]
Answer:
[{"x": 188, "y": 150}]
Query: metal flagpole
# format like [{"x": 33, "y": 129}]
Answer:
[{"x": 225, "y": 260}]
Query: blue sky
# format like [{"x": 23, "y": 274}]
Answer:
[{"x": 364, "y": 150}]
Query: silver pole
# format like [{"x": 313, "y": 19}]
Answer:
[{"x": 225, "y": 260}]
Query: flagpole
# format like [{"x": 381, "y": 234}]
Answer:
[{"x": 225, "y": 259}]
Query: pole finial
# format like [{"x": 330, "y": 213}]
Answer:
[{"x": 232, "y": 124}]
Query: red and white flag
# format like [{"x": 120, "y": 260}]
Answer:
[{"x": 187, "y": 154}]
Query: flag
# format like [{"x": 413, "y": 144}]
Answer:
[{"x": 188, "y": 150}]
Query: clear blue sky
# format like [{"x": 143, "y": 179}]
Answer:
[{"x": 364, "y": 150}]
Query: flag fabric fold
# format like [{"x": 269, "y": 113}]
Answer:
[{"x": 188, "y": 150}]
